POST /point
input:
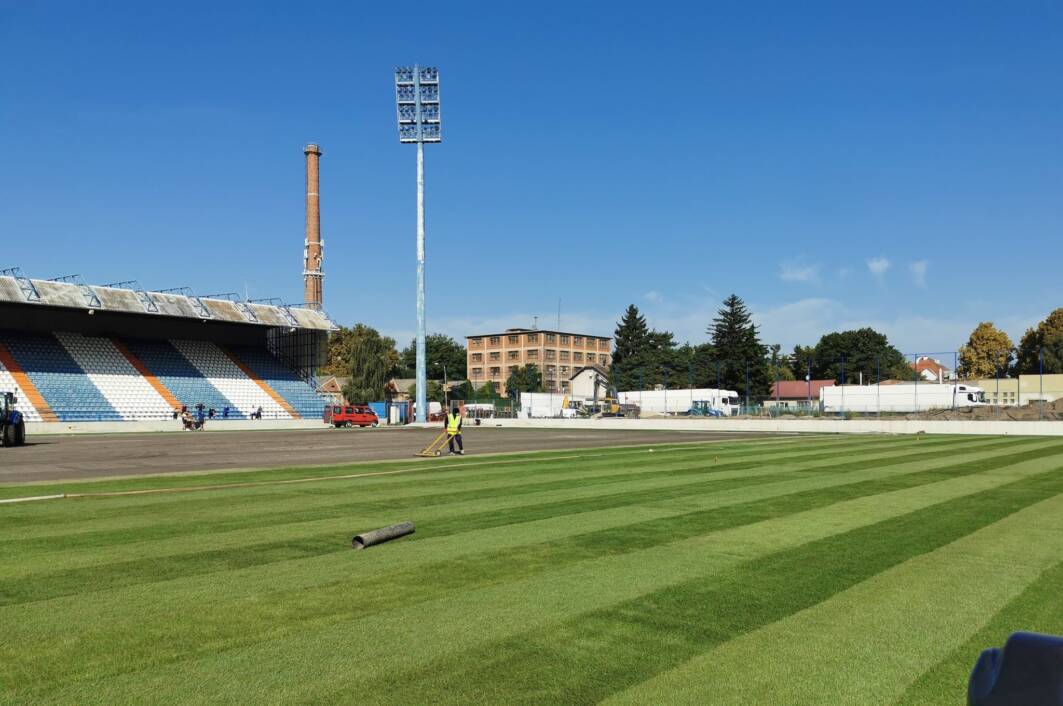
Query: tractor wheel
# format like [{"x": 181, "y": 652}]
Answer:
[
  {"x": 20, "y": 433},
  {"x": 8, "y": 435}
]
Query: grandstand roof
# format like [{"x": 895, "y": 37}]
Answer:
[{"x": 129, "y": 298}]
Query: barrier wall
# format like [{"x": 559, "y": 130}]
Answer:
[{"x": 813, "y": 426}]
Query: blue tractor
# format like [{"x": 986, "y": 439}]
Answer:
[
  {"x": 703, "y": 408},
  {"x": 12, "y": 423}
]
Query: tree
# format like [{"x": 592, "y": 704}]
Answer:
[
  {"x": 1047, "y": 338},
  {"x": 801, "y": 361},
  {"x": 988, "y": 353},
  {"x": 779, "y": 364},
  {"x": 738, "y": 350},
  {"x": 629, "y": 348},
  {"x": 434, "y": 392},
  {"x": 440, "y": 350},
  {"x": 487, "y": 392},
  {"x": 526, "y": 378},
  {"x": 372, "y": 361},
  {"x": 861, "y": 353}
]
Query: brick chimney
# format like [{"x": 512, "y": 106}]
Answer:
[{"x": 313, "y": 247}]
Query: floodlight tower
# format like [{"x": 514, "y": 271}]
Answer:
[{"x": 417, "y": 102}]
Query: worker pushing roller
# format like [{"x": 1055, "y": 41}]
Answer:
[{"x": 453, "y": 424}]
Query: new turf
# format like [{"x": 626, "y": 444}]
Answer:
[{"x": 856, "y": 570}]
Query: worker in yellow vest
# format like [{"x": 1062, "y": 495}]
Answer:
[{"x": 453, "y": 423}]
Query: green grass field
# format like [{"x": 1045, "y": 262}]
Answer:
[{"x": 835, "y": 570}]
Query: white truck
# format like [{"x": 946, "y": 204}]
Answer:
[
  {"x": 904, "y": 397},
  {"x": 724, "y": 403}
]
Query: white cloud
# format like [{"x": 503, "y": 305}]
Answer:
[
  {"x": 918, "y": 270},
  {"x": 653, "y": 296},
  {"x": 878, "y": 266},
  {"x": 799, "y": 271}
]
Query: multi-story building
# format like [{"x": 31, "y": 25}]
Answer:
[{"x": 557, "y": 355}]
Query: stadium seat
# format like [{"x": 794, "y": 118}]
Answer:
[{"x": 296, "y": 392}]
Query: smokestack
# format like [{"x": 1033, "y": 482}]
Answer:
[{"x": 313, "y": 247}]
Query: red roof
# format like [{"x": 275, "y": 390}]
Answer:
[
  {"x": 934, "y": 366},
  {"x": 798, "y": 389}
]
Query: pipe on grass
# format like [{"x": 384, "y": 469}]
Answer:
[{"x": 384, "y": 534}]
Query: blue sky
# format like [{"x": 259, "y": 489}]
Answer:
[{"x": 835, "y": 164}]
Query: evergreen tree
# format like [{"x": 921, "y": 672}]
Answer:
[
  {"x": 738, "y": 350},
  {"x": 629, "y": 353}
]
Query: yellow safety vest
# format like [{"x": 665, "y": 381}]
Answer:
[{"x": 453, "y": 424}]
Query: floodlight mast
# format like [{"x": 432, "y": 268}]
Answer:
[{"x": 417, "y": 104}]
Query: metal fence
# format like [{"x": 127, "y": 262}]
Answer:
[{"x": 925, "y": 386}]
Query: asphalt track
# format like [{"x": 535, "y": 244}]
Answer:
[{"x": 50, "y": 458}]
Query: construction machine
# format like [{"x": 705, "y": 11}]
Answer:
[{"x": 12, "y": 423}]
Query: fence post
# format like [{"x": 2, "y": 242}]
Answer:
[
  {"x": 747, "y": 387},
  {"x": 878, "y": 387},
  {"x": 1041, "y": 379}
]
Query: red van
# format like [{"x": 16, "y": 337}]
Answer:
[{"x": 356, "y": 415}]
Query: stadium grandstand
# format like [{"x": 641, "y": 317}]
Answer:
[{"x": 72, "y": 352}]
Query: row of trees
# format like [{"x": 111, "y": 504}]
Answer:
[
  {"x": 989, "y": 351},
  {"x": 734, "y": 358}
]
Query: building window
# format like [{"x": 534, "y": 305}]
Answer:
[
  {"x": 602, "y": 359},
  {"x": 578, "y": 357},
  {"x": 477, "y": 357},
  {"x": 495, "y": 372},
  {"x": 495, "y": 340},
  {"x": 533, "y": 338},
  {"x": 477, "y": 372},
  {"x": 513, "y": 339},
  {"x": 551, "y": 354},
  {"x": 564, "y": 370},
  {"x": 564, "y": 340},
  {"x": 476, "y": 341},
  {"x": 603, "y": 345},
  {"x": 564, "y": 355},
  {"x": 577, "y": 340},
  {"x": 498, "y": 386},
  {"x": 564, "y": 384},
  {"x": 551, "y": 338},
  {"x": 533, "y": 354},
  {"x": 496, "y": 356},
  {"x": 514, "y": 355}
]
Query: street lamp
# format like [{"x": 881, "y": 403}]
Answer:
[{"x": 417, "y": 105}]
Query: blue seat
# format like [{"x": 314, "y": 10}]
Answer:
[{"x": 295, "y": 391}]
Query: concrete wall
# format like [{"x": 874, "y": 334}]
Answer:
[
  {"x": 818, "y": 426},
  {"x": 37, "y": 428}
]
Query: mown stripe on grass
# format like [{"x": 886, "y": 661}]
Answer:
[
  {"x": 476, "y": 471},
  {"x": 1037, "y": 609},
  {"x": 867, "y": 644},
  {"x": 517, "y": 479},
  {"x": 428, "y": 581},
  {"x": 34, "y": 578},
  {"x": 247, "y": 476},
  {"x": 414, "y": 634},
  {"x": 597, "y": 654},
  {"x": 320, "y": 588}
]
